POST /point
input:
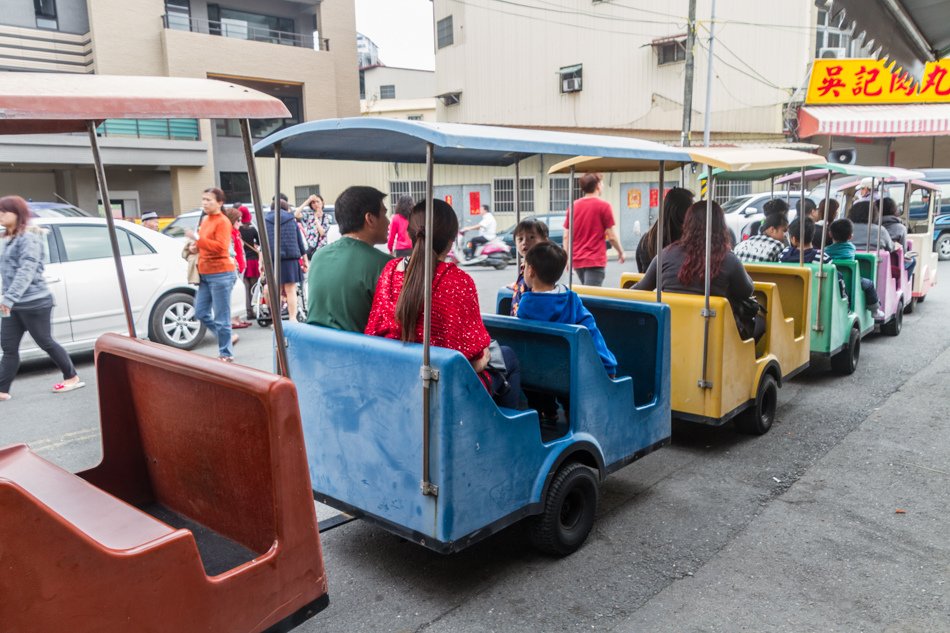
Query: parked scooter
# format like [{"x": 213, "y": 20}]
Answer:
[{"x": 494, "y": 253}]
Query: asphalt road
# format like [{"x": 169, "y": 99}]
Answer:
[{"x": 836, "y": 520}]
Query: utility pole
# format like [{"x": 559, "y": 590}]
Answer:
[
  {"x": 688, "y": 88},
  {"x": 709, "y": 73}
]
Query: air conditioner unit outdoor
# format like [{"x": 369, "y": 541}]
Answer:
[
  {"x": 833, "y": 53},
  {"x": 571, "y": 85}
]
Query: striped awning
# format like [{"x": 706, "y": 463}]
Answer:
[{"x": 870, "y": 121}]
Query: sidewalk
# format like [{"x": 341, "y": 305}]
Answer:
[{"x": 861, "y": 543}]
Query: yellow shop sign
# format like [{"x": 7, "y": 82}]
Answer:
[{"x": 868, "y": 81}]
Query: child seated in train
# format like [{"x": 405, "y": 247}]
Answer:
[
  {"x": 843, "y": 249},
  {"x": 791, "y": 253},
  {"x": 547, "y": 300},
  {"x": 527, "y": 234}
]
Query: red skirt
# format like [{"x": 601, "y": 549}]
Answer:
[{"x": 253, "y": 270}]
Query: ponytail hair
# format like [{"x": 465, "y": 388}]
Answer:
[{"x": 445, "y": 227}]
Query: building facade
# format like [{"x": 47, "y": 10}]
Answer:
[
  {"x": 299, "y": 51},
  {"x": 401, "y": 93}
]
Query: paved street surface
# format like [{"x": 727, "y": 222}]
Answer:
[{"x": 836, "y": 520}]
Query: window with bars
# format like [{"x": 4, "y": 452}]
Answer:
[
  {"x": 387, "y": 92},
  {"x": 414, "y": 188},
  {"x": 728, "y": 189},
  {"x": 304, "y": 192},
  {"x": 560, "y": 188},
  {"x": 503, "y": 193},
  {"x": 443, "y": 32},
  {"x": 671, "y": 52}
]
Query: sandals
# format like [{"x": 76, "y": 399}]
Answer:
[
  {"x": 240, "y": 325},
  {"x": 63, "y": 387},
  {"x": 226, "y": 359}
]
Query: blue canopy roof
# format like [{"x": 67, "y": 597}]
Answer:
[{"x": 399, "y": 141}]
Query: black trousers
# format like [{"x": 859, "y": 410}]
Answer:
[
  {"x": 476, "y": 241},
  {"x": 36, "y": 321}
]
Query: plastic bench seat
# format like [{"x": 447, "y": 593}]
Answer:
[{"x": 109, "y": 521}]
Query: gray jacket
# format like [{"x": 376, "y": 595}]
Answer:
[
  {"x": 860, "y": 237},
  {"x": 21, "y": 268}
]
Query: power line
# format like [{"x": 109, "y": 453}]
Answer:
[
  {"x": 745, "y": 63},
  {"x": 743, "y": 72}
]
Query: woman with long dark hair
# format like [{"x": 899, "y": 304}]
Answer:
[
  {"x": 26, "y": 304},
  {"x": 399, "y": 243},
  {"x": 684, "y": 262},
  {"x": 456, "y": 319},
  {"x": 675, "y": 204}
]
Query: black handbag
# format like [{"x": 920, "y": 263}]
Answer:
[{"x": 745, "y": 312}]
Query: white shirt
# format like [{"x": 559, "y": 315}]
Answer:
[{"x": 488, "y": 227}]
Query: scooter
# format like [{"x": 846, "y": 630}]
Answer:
[{"x": 493, "y": 253}]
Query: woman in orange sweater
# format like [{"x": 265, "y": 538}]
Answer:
[{"x": 216, "y": 271}]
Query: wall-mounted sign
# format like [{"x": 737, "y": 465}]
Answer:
[
  {"x": 634, "y": 199},
  {"x": 868, "y": 81},
  {"x": 448, "y": 199},
  {"x": 474, "y": 202}
]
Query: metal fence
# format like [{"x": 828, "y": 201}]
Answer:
[{"x": 243, "y": 31}]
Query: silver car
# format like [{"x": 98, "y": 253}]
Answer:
[{"x": 81, "y": 275}]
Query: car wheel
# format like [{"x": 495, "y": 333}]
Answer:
[
  {"x": 893, "y": 327},
  {"x": 174, "y": 322},
  {"x": 943, "y": 247},
  {"x": 846, "y": 361},
  {"x": 569, "y": 510},
  {"x": 758, "y": 419},
  {"x": 909, "y": 308}
]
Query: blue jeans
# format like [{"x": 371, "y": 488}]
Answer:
[{"x": 213, "y": 307}]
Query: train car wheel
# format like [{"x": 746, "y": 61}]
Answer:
[
  {"x": 846, "y": 361},
  {"x": 569, "y": 510},
  {"x": 758, "y": 419}
]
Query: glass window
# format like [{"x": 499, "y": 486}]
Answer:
[
  {"x": 261, "y": 127},
  {"x": 252, "y": 26},
  {"x": 91, "y": 242},
  {"x": 140, "y": 246},
  {"x": 671, "y": 52},
  {"x": 571, "y": 78},
  {"x": 503, "y": 195},
  {"x": 178, "y": 14},
  {"x": 302, "y": 193},
  {"x": 443, "y": 30},
  {"x": 387, "y": 92},
  {"x": 561, "y": 193},
  {"x": 45, "y": 14},
  {"x": 236, "y": 186}
]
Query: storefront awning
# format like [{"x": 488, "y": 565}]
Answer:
[{"x": 875, "y": 121}]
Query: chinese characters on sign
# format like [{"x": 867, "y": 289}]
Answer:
[
  {"x": 868, "y": 81},
  {"x": 633, "y": 199}
]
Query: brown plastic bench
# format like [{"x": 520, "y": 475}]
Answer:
[{"x": 199, "y": 517}]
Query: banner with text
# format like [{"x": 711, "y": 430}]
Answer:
[{"x": 868, "y": 81}]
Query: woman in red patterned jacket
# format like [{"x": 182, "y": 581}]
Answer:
[{"x": 456, "y": 320}]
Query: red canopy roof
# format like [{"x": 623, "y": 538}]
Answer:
[
  {"x": 924, "y": 119},
  {"x": 48, "y": 102}
]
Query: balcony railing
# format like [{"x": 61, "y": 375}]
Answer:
[
  {"x": 243, "y": 31},
  {"x": 170, "y": 129}
]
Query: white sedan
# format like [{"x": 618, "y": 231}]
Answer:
[{"x": 81, "y": 275}]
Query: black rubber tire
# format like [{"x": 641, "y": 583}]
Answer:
[
  {"x": 893, "y": 327},
  {"x": 846, "y": 361},
  {"x": 921, "y": 298},
  {"x": 758, "y": 419},
  {"x": 569, "y": 510},
  {"x": 942, "y": 247},
  {"x": 178, "y": 306},
  {"x": 501, "y": 265},
  {"x": 909, "y": 308}
]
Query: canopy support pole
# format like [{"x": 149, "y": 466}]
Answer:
[
  {"x": 110, "y": 221},
  {"x": 517, "y": 213},
  {"x": 426, "y": 372},
  {"x": 772, "y": 188},
  {"x": 871, "y": 213},
  {"x": 275, "y": 209},
  {"x": 272, "y": 288},
  {"x": 571, "y": 231},
  {"x": 880, "y": 215},
  {"x": 825, "y": 229},
  {"x": 801, "y": 221},
  {"x": 659, "y": 233},
  {"x": 704, "y": 383}
]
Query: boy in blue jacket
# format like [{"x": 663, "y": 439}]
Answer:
[{"x": 550, "y": 301}]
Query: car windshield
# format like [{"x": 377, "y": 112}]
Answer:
[
  {"x": 731, "y": 205},
  {"x": 180, "y": 225},
  {"x": 60, "y": 211}
]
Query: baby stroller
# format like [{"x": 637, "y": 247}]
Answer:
[{"x": 262, "y": 308}]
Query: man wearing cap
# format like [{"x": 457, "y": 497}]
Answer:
[
  {"x": 150, "y": 220},
  {"x": 864, "y": 190}
]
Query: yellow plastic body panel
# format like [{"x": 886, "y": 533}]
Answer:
[
  {"x": 732, "y": 367},
  {"x": 788, "y": 327}
]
